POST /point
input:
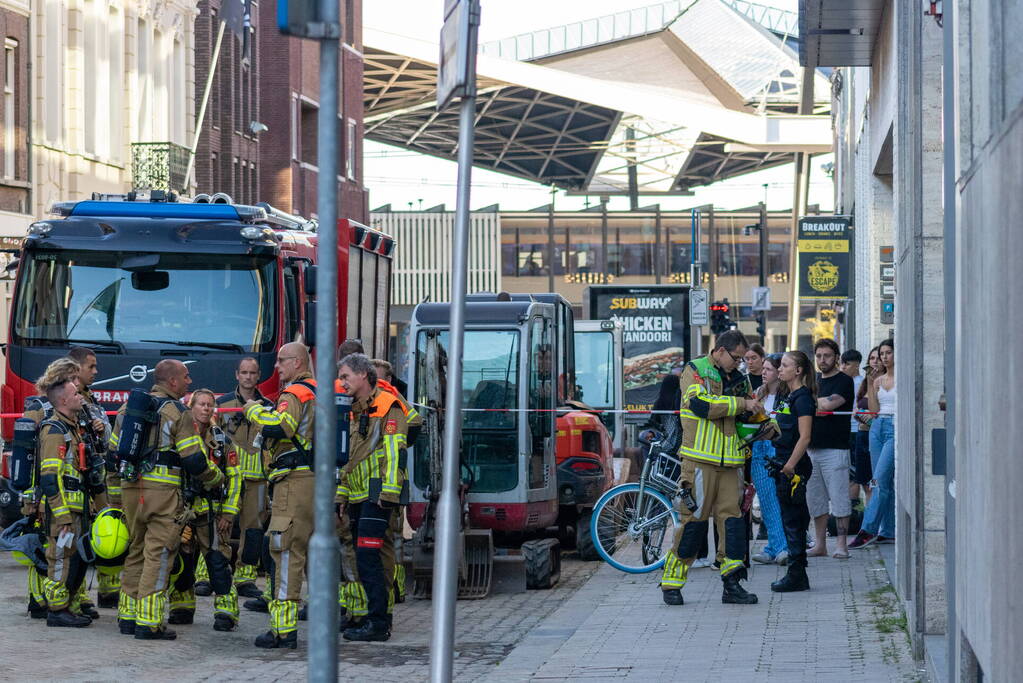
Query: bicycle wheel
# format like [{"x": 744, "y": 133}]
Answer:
[{"x": 632, "y": 535}]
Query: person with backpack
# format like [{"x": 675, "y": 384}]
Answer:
[
  {"x": 157, "y": 445},
  {"x": 62, "y": 484}
]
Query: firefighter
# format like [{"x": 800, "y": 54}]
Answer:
[
  {"x": 713, "y": 395},
  {"x": 371, "y": 488},
  {"x": 95, "y": 418},
  {"x": 153, "y": 503},
  {"x": 209, "y": 533},
  {"x": 243, "y": 435},
  {"x": 287, "y": 444},
  {"x": 62, "y": 484}
]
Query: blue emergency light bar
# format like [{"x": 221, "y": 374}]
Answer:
[{"x": 221, "y": 212}]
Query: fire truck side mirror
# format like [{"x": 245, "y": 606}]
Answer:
[
  {"x": 310, "y": 324},
  {"x": 310, "y": 279}
]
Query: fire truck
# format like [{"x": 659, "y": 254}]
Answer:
[{"x": 143, "y": 277}]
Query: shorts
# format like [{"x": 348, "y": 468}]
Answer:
[
  {"x": 829, "y": 482},
  {"x": 860, "y": 471}
]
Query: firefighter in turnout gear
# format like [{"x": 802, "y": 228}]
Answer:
[
  {"x": 97, "y": 427},
  {"x": 714, "y": 394},
  {"x": 153, "y": 502},
  {"x": 63, "y": 484},
  {"x": 209, "y": 532},
  {"x": 243, "y": 434},
  {"x": 372, "y": 488},
  {"x": 37, "y": 409},
  {"x": 287, "y": 446}
]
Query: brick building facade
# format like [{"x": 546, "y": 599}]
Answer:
[
  {"x": 227, "y": 159},
  {"x": 289, "y": 100},
  {"x": 14, "y": 107}
]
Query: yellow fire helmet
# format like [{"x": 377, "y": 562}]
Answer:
[{"x": 109, "y": 536}]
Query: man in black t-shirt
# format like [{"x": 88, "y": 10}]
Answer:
[{"x": 829, "y": 451}]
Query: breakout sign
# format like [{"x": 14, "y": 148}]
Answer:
[{"x": 655, "y": 322}]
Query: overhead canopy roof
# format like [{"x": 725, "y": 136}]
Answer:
[
  {"x": 706, "y": 95},
  {"x": 839, "y": 32}
]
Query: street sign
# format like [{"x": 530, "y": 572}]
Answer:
[
  {"x": 887, "y": 272},
  {"x": 887, "y": 290},
  {"x": 455, "y": 69},
  {"x": 761, "y": 299},
  {"x": 699, "y": 307},
  {"x": 887, "y": 254},
  {"x": 888, "y": 312}
]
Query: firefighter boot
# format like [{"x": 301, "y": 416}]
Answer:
[
  {"x": 673, "y": 597},
  {"x": 143, "y": 632},
  {"x": 271, "y": 640},
  {"x": 370, "y": 630},
  {"x": 734, "y": 594},
  {"x": 66, "y": 617},
  {"x": 35, "y": 610},
  {"x": 248, "y": 589},
  {"x": 794, "y": 580},
  {"x": 259, "y": 604}
]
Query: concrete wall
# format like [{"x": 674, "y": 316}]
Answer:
[{"x": 989, "y": 471}]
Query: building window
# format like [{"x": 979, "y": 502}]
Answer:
[
  {"x": 10, "y": 107},
  {"x": 309, "y": 126},
  {"x": 350, "y": 149}
]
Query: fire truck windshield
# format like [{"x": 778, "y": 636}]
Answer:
[{"x": 226, "y": 301}]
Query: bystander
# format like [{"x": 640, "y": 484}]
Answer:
[{"x": 829, "y": 452}]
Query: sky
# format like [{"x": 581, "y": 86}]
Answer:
[{"x": 408, "y": 180}]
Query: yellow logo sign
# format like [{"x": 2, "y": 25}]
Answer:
[{"x": 822, "y": 275}]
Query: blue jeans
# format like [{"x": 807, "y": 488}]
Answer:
[
  {"x": 770, "y": 511},
  {"x": 879, "y": 517}
]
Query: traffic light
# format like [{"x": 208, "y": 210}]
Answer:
[{"x": 720, "y": 321}]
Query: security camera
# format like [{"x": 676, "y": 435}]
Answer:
[{"x": 258, "y": 127}]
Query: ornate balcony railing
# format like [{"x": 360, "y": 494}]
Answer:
[{"x": 158, "y": 166}]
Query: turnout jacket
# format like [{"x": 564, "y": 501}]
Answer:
[
  {"x": 710, "y": 403},
  {"x": 173, "y": 435},
  {"x": 226, "y": 459},
  {"x": 60, "y": 480},
  {"x": 287, "y": 428},
  {"x": 243, "y": 434},
  {"x": 376, "y": 468}
]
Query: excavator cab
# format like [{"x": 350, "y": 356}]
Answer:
[{"x": 509, "y": 395}]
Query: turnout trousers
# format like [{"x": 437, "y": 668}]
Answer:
[
  {"x": 66, "y": 570},
  {"x": 182, "y": 593},
  {"x": 153, "y": 513},
  {"x": 371, "y": 527},
  {"x": 291, "y": 526},
  {"x": 253, "y": 515},
  {"x": 718, "y": 493},
  {"x": 352, "y": 594}
]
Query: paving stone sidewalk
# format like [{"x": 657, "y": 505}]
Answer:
[{"x": 847, "y": 628}]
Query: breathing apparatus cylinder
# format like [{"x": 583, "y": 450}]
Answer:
[
  {"x": 343, "y": 404},
  {"x": 23, "y": 453},
  {"x": 139, "y": 416}
]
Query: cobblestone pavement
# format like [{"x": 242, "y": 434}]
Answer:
[
  {"x": 598, "y": 624},
  {"x": 487, "y": 630},
  {"x": 847, "y": 628}
]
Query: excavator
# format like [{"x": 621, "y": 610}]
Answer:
[{"x": 531, "y": 459}]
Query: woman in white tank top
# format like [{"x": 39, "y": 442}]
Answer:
[{"x": 879, "y": 519}]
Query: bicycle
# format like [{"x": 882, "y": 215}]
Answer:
[{"x": 631, "y": 522}]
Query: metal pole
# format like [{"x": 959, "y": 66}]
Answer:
[
  {"x": 696, "y": 332},
  {"x": 605, "y": 261},
  {"x": 324, "y": 550},
  {"x": 799, "y": 201},
  {"x": 446, "y": 561},
  {"x": 202, "y": 108},
  {"x": 550, "y": 243},
  {"x": 657, "y": 245},
  {"x": 762, "y": 315}
]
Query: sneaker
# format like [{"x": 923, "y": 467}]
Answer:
[
  {"x": 862, "y": 540},
  {"x": 885, "y": 540},
  {"x": 763, "y": 558},
  {"x": 701, "y": 563},
  {"x": 782, "y": 558}
]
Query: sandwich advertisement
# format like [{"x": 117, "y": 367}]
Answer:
[{"x": 655, "y": 322}]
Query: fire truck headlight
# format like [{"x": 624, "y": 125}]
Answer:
[
  {"x": 40, "y": 229},
  {"x": 252, "y": 232}
]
